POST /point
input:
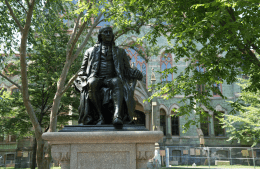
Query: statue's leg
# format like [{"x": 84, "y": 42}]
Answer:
[
  {"x": 81, "y": 108},
  {"x": 94, "y": 92},
  {"x": 118, "y": 96}
]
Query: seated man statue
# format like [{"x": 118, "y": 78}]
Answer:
[{"x": 105, "y": 83}]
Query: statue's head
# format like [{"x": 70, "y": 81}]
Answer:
[{"x": 106, "y": 34}]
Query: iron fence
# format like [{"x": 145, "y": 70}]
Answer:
[{"x": 211, "y": 157}]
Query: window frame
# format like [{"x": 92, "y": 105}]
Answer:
[
  {"x": 173, "y": 113},
  {"x": 201, "y": 85},
  {"x": 15, "y": 88},
  {"x": 208, "y": 124},
  {"x": 224, "y": 131},
  {"x": 128, "y": 51},
  {"x": 220, "y": 87},
  {"x": 220, "y": 84},
  {"x": 166, "y": 62},
  {"x": 163, "y": 113}
]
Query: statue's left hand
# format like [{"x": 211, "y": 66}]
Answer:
[{"x": 138, "y": 74}]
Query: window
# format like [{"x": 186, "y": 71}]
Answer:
[
  {"x": 12, "y": 138},
  {"x": 15, "y": 90},
  {"x": 139, "y": 117},
  {"x": 2, "y": 138},
  {"x": 200, "y": 87},
  {"x": 219, "y": 131},
  {"x": 163, "y": 121},
  {"x": 219, "y": 87},
  {"x": 175, "y": 125},
  {"x": 205, "y": 124},
  {"x": 9, "y": 156},
  {"x": 176, "y": 155},
  {"x": 166, "y": 63},
  {"x": 138, "y": 61},
  {"x": 2, "y": 91},
  {"x": 245, "y": 77}
]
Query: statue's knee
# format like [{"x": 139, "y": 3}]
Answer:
[
  {"x": 92, "y": 83},
  {"x": 116, "y": 81}
]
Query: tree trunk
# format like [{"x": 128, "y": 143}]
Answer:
[
  {"x": 40, "y": 154},
  {"x": 47, "y": 159},
  {"x": 43, "y": 154},
  {"x": 34, "y": 154},
  {"x": 57, "y": 97}
]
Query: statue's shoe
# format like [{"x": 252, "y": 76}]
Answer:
[
  {"x": 88, "y": 121},
  {"x": 100, "y": 121},
  {"x": 117, "y": 122}
]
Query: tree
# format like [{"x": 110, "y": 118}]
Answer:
[
  {"x": 243, "y": 123},
  {"x": 49, "y": 51},
  {"x": 24, "y": 20},
  {"x": 220, "y": 36}
]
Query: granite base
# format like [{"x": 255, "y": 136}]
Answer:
[{"x": 103, "y": 149}]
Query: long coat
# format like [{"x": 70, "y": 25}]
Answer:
[{"x": 123, "y": 71}]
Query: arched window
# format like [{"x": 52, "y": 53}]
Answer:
[
  {"x": 200, "y": 87},
  {"x": 163, "y": 121},
  {"x": 218, "y": 130},
  {"x": 175, "y": 124},
  {"x": 219, "y": 87},
  {"x": 205, "y": 124},
  {"x": 166, "y": 63},
  {"x": 15, "y": 90},
  {"x": 139, "y": 117},
  {"x": 138, "y": 61}
]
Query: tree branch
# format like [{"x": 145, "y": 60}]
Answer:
[
  {"x": 245, "y": 49},
  {"x": 22, "y": 6},
  {"x": 254, "y": 59},
  {"x": 27, "y": 2},
  {"x": 24, "y": 87},
  {"x": 76, "y": 39},
  {"x": 231, "y": 13},
  {"x": 69, "y": 52},
  {"x": 19, "y": 87},
  {"x": 255, "y": 48},
  {"x": 72, "y": 79},
  {"x": 13, "y": 15},
  {"x": 126, "y": 30},
  {"x": 74, "y": 32},
  {"x": 87, "y": 37}
]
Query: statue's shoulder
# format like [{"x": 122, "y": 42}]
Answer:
[
  {"x": 89, "y": 50},
  {"x": 119, "y": 49},
  {"x": 123, "y": 52}
]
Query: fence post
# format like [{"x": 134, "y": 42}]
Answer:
[
  {"x": 230, "y": 156},
  {"x": 253, "y": 156},
  {"x": 208, "y": 157},
  {"x": 167, "y": 156}
]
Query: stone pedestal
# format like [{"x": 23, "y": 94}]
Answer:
[{"x": 103, "y": 149}]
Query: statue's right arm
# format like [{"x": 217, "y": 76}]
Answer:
[{"x": 84, "y": 64}]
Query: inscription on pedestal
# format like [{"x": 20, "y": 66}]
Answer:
[{"x": 103, "y": 160}]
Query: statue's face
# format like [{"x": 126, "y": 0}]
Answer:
[{"x": 107, "y": 34}]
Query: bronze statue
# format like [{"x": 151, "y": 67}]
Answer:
[{"x": 106, "y": 83}]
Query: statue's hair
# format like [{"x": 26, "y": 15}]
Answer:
[{"x": 99, "y": 35}]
